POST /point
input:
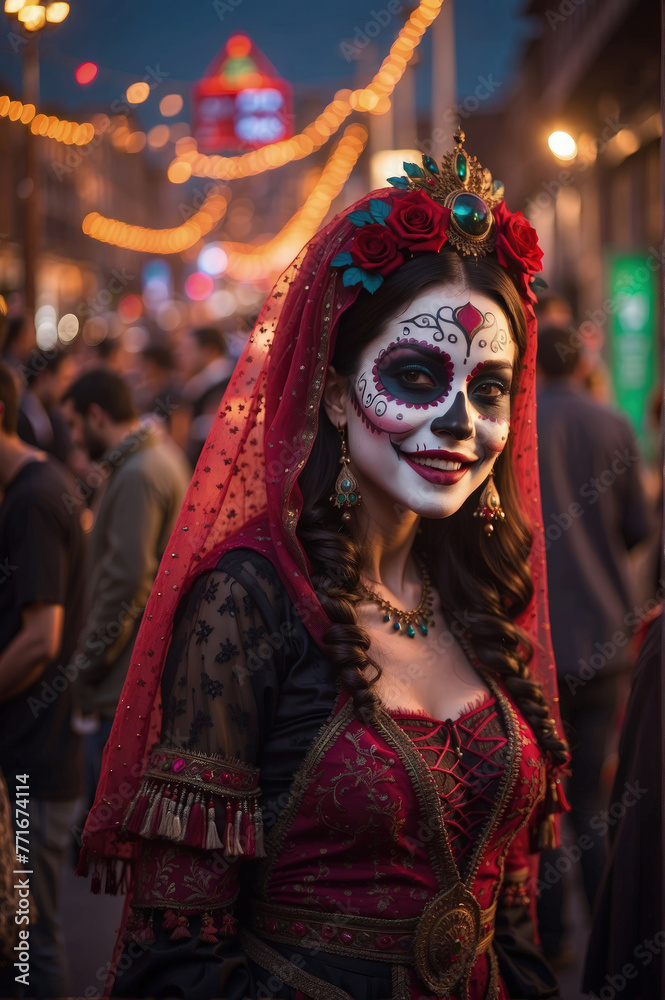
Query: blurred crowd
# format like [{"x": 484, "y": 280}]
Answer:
[{"x": 97, "y": 445}]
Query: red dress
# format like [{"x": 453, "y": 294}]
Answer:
[{"x": 395, "y": 860}]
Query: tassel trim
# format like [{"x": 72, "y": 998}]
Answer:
[
  {"x": 185, "y": 816},
  {"x": 139, "y": 926},
  {"x": 555, "y": 802}
]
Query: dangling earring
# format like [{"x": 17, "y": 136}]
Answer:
[
  {"x": 489, "y": 506},
  {"x": 346, "y": 485}
]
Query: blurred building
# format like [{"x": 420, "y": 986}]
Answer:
[
  {"x": 111, "y": 175},
  {"x": 591, "y": 71}
]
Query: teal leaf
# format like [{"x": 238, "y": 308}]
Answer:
[
  {"x": 352, "y": 276},
  {"x": 342, "y": 259},
  {"x": 413, "y": 170},
  {"x": 371, "y": 280},
  {"x": 539, "y": 284},
  {"x": 379, "y": 210},
  {"x": 398, "y": 182},
  {"x": 360, "y": 218}
]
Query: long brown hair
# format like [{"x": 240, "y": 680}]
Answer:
[{"x": 484, "y": 584}]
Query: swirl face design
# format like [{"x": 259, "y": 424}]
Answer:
[{"x": 429, "y": 408}]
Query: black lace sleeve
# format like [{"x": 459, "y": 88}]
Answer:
[{"x": 198, "y": 811}]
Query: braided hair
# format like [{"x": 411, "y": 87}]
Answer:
[{"x": 483, "y": 585}]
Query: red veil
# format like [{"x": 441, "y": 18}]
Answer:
[{"x": 248, "y": 471}]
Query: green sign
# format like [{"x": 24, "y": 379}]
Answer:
[{"x": 633, "y": 334}]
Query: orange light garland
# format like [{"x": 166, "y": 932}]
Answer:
[
  {"x": 245, "y": 263},
  {"x": 264, "y": 261},
  {"x": 71, "y": 133},
  {"x": 160, "y": 241},
  {"x": 375, "y": 98}
]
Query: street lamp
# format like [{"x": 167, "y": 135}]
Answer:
[
  {"x": 33, "y": 16},
  {"x": 562, "y": 145}
]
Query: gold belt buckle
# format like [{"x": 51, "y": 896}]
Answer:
[{"x": 446, "y": 939}]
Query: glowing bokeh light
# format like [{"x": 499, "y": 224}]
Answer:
[
  {"x": 135, "y": 142},
  {"x": 136, "y": 338},
  {"x": 86, "y": 72},
  {"x": 130, "y": 308},
  {"x": 57, "y": 12},
  {"x": 158, "y": 136},
  {"x": 198, "y": 286},
  {"x": 212, "y": 259},
  {"x": 222, "y": 303},
  {"x": 562, "y": 145},
  {"x": 170, "y": 105},
  {"x": 137, "y": 93},
  {"x": 68, "y": 327}
]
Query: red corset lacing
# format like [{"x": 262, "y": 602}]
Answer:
[{"x": 466, "y": 758}]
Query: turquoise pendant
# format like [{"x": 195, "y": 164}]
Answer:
[
  {"x": 410, "y": 631},
  {"x": 471, "y": 214}
]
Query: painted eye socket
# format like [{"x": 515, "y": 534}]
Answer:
[
  {"x": 490, "y": 389},
  {"x": 414, "y": 377}
]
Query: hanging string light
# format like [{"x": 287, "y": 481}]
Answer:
[
  {"x": 375, "y": 99},
  {"x": 245, "y": 262},
  {"x": 258, "y": 263},
  {"x": 160, "y": 241},
  {"x": 71, "y": 133}
]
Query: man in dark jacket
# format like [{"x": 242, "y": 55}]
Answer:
[
  {"x": 41, "y": 758},
  {"x": 142, "y": 479},
  {"x": 594, "y": 512}
]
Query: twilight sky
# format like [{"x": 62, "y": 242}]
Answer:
[{"x": 303, "y": 40}]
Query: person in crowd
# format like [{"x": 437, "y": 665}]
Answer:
[
  {"x": 20, "y": 340},
  {"x": 40, "y": 419},
  {"x": 627, "y": 938},
  {"x": 203, "y": 357},
  {"x": 594, "y": 512},
  {"x": 350, "y": 610},
  {"x": 160, "y": 391},
  {"x": 143, "y": 480},
  {"x": 41, "y": 599}
]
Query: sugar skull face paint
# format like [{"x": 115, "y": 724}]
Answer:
[{"x": 428, "y": 411}]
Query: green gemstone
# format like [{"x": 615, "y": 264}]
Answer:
[
  {"x": 411, "y": 631},
  {"x": 471, "y": 214},
  {"x": 346, "y": 484},
  {"x": 352, "y": 498},
  {"x": 341, "y": 498},
  {"x": 423, "y": 628},
  {"x": 397, "y": 626},
  {"x": 461, "y": 166},
  {"x": 386, "y": 618}
]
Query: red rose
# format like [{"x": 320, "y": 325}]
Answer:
[
  {"x": 418, "y": 222},
  {"x": 516, "y": 242},
  {"x": 375, "y": 249}
]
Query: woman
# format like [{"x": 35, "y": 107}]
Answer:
[{"x": 401, "y": 762}]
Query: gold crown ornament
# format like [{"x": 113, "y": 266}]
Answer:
[{"x": 463, "y": 186}]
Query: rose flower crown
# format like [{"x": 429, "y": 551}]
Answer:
[{"x": 458, "y": 203}]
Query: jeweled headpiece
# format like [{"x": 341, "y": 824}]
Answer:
[
  {"x": 456, "y": 202},
  {"x": 463, "y": 186}
]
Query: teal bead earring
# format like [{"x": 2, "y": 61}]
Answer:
[{"x": 346, "y": 485}]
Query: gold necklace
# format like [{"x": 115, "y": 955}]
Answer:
[{"x": 406, "y": 621}]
